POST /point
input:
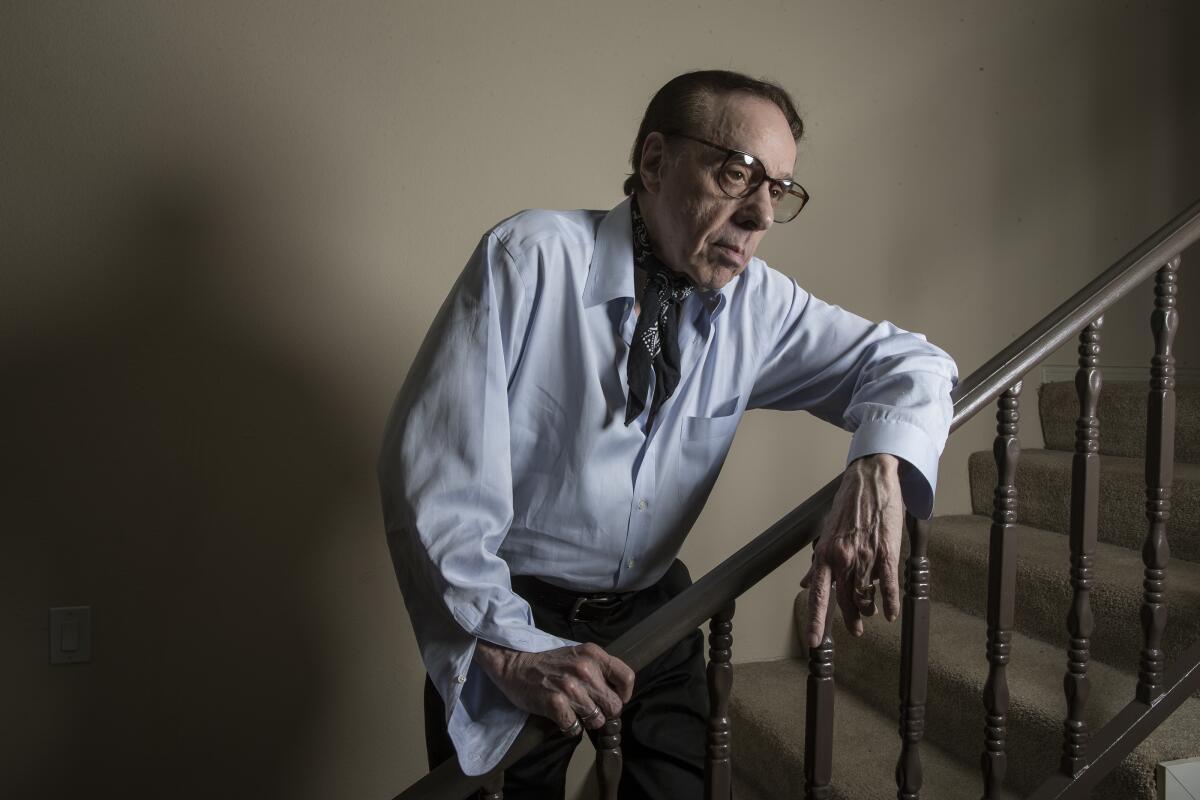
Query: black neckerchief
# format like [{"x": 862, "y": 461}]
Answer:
[{"x": 655, "y": 346}]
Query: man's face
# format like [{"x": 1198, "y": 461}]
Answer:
[{"x": 697, "y": 228}]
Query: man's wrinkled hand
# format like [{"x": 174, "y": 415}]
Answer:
[
  {"x": 579, "y": 682},
  {"x": 859, "y": 544}
]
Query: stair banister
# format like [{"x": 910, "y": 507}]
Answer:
[
  {"x": 1160, "y": 459},
  {"x": 1001, "y": 593},
  {"x": 914, "y": 659},
  {"x": 1085, "y": 512}
]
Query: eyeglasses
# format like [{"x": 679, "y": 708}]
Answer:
[{"x": 741, "y": 174}]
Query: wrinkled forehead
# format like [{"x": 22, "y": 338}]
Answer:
[{"x": 753, "y": 125}]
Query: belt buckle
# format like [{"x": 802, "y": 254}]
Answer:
[
  {"x": 583, "y": 601},
  {"x": 574, "y": 615}
]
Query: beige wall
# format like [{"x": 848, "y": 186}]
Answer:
[{"x": 225, "y": 229}]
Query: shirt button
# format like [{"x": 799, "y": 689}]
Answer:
[
  {"x": 630, "y": 563},
  {"x": 461, "y": 679},
  {"x": 642, "y": 505}
]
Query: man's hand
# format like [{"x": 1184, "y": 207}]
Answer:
[
  {"x": 860, "y": 543},
  {"x": 580, "y": 682}
]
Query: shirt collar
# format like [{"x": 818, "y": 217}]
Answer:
[{"x": 610, "y": 275}]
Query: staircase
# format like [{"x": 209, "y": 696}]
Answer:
[{"x": 768, "y": 704}]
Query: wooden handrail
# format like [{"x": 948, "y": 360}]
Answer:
[{"x": 799, "y": 527}]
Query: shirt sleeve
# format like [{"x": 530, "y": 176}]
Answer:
[
  {"x": 889, "y": 387},
  {"x": 446, "y": 482}
]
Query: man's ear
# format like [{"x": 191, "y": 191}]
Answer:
[{"x": 653, "y": 162}]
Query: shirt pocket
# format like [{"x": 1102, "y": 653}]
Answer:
[
  {"x": 697, "y": 429},
  {"x": 720, "y": 425},
  {"x": 703, "y": 444}
]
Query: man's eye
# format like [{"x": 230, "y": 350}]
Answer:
[
  {"x": 777, "y": 192},
  {"x": 736, "y": 174}
]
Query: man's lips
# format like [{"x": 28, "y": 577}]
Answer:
[{"x": 732, "y": 249}]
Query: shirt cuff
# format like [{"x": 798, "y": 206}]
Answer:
[
  {"x": 525, "y": 638},
  {"x": 482, "y": 722},
  {"x": 911, "y": 444}
]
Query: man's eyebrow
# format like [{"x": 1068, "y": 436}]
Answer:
[{"x": 787, "y": 176}]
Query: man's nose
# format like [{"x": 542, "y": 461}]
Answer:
[{"x": 755, "y": 211}]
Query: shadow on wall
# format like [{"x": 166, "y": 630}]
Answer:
[{"x": 181, "y": 477}]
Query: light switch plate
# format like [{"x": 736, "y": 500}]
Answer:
[
  {"x": 71, "y": 635},
  {"x": 1179, "y": 780}
]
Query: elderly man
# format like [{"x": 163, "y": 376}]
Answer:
[{"x": 567, "y": 417}]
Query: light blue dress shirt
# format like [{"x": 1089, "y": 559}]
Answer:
[{"x": 506, "y": 451}]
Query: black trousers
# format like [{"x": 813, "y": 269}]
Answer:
[{"x": 663, "y": 726}]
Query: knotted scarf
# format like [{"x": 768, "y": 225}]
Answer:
[{"x": 655, "y": 346}]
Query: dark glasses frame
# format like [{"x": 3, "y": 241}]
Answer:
[{"x": 786, "y": 185}]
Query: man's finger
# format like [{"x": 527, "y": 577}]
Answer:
[
  {"x": 619, "y": 676},
  {"x": 864, "y": 599},
  {"x": 850, "y": 615},
  {"x": 889, "y": 584},
  {"x": 579, "y": 698},
  {"x": 590, "y": 710},
  {"x": 590, "y": 691},
  {"x": 593, "y": 719},
  {"x": 818, "y": 603},
  {"x": 591, "y": 667},
  {"x": 560, "y": 711}
]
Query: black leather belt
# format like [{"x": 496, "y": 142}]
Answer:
[{"x": 577, "y": 606}]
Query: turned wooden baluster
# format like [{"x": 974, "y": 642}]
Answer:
[
  {"x": 818, "y": 718},
  {"x": 608, "y": 759},
  {"x": 493, "y": 787},
  {"x": 1002, "y": 577},
  {"x": 1085, "y": 501},
  {"x": 914, "y": 660},
  {"x": 1160, "y": 457},
  {"x": 718, "y": 772}
]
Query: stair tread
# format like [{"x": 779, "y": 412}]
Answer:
[
  {"x": 869, "y": 666},
  {"x": 767, "y": 715},
  {"x": 958, "y": 551},
  {"x": 1122, "y": 465},
  {"x": 1043, "y": 482},
  {"x": 1122, "y": 413}
]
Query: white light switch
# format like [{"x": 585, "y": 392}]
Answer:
[{"x": 71, "y": 635}]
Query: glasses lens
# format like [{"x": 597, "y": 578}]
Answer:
[
  {"x": 740, "y": 174},
  {"x": 790, "y": 203}
]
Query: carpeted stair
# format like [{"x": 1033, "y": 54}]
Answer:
[
  {"x": 768, "y": 718},
  {"x": 1044, "y": 491},
  {"x": 768, "y": 703}
]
